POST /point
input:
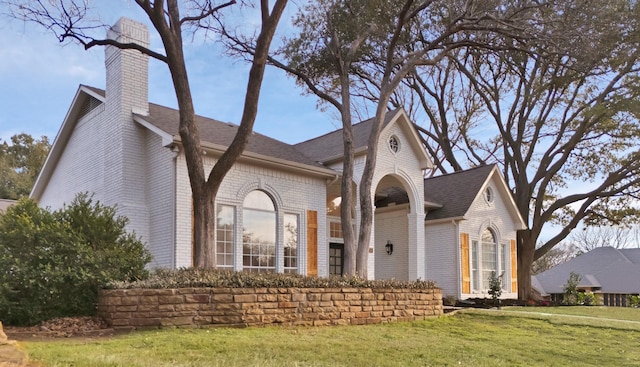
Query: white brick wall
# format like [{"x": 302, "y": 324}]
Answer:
[
  {"x": 292, "y": 193},
  {"x": 392, "y": 225},
  {"x": 79, "y": 168},
  {"x": 160, "y": 195},
  {"x": 442, "y": 257}
]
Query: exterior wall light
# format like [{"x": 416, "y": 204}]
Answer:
[{"x": 389, "y": 247}]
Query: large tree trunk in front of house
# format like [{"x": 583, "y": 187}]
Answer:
[
  {"x": 204, "y": 255},
  {"x": 366, "y": 204},
  {"x": 526, "y": 251},
  {"x": 347, "y": 204}
]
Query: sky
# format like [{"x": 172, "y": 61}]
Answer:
[{"x": 39, "y": 77}]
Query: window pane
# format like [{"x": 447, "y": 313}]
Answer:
[
  {"x": 333, "y": 206},
  {"x": 504, "y": 270},
  {"x": 335, "y": 230},
  {"x": 489, "y": 256},
  {"x": 488, "y": 236},
  {"x": 258, "y": 240},
  {"x": 290, "y": 243},
  {"x": 258, "y": 200},
  {"x": 225, "y": 223},
  {"x": 475, "y": 265}
]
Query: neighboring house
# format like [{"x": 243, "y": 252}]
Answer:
[
  {"x": 611, "y": 274},
  {"x": 278, "y": 208},
  {"x": 5, "y": 203}
]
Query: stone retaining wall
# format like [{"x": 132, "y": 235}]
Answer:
[{"x": 191, "y": 307}]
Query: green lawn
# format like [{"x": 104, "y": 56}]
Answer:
[
  {"x": 618, "y": 313},
  {"x": 466, "y": 339}
]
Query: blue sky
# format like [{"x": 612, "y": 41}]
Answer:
[{"x": 39, "y": 77}]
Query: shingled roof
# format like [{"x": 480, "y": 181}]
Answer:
[
  {"x": 455, "y": 191},
  {"x": 331, "y": 145},
  {"x": 609, "y": 269},
  {"x": 222, "y": 133}
]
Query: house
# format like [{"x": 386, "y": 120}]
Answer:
[
  {"x": 278, "y": 208},
  {"x": 611, "y": 274}
]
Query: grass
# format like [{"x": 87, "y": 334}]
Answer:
[
  {"x": 618, "y": 313},
  {"x": 466, "y": 339}
]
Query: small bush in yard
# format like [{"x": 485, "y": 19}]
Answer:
[
  {"x": 571, "y": 289},
  {"x": 53, "y": 263},
  {"x": 495, "y": 288}
]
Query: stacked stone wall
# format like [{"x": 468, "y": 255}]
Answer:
[{"x": 195, "y": 307}]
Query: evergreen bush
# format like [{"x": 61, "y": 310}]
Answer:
[{"x": 53, "y": 263}]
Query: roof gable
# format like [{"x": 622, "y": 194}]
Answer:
[
  {"x": 85, "y": 100},
  {"x": 329, "y": 148},
  {"x": 456, "y": 192}
]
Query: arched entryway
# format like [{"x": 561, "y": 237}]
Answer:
[{"x": 395, "y": 230}]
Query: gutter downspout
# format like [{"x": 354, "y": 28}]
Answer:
[
  {"x": 458, "y": 258},
  {"x": 329, "y": 183},
  {"x": 175, "y": 152}
]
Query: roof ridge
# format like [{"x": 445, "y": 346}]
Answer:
[
  {"x": 463, "y": 171},
  {"x": 391, "y": 112}
]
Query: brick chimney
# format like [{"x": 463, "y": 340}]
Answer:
[{"x": 128, "y": 70}]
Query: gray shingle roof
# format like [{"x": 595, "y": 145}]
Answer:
[
  {"x": 222, "y": 133},
  {"x": 613, "y": 270},
  {"x": 331, "y": 145},
  {"x": 455, "y": 191}
]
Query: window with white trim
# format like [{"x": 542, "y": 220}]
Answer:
[
  {"x": 258, "y": 233},
  {"x": 225, "y": 224},
  {"x": 290, "y": 243},
  {"x": 487, "y": 256}
]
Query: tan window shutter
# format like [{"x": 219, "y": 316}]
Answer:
[
  {"x": 514, "y": 267},
  {"x": 464, "y": 259},
  {"x": 312, "y": 243}
]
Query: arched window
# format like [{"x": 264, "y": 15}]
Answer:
[
  {"x": 489, "y": 256},
  {"x": 258, "y": 232},
  {"x": 485, "y": 258}
]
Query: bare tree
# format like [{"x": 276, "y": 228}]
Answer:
[
  {"x": 617, "y": 237},
  {"x": 69, "y": 20},
  {"x": 559, "y": 115},
  {"x": 556, "y": 256},
  {"x": 347, "y": 49}
]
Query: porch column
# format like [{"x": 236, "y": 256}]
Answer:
[{"x": 417, "y": 260}]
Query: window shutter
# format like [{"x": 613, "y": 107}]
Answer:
[
  {"x": 514, "y": 267},
  {"x": 464, "y": 259},
  {"x": 312, "y": 243}
]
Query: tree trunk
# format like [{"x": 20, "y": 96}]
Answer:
[
  {"x": 347, "y": 204},
  {"x": 526, "y": 250},
  {"x": 204, "y": 255},
  {"x": 366, "y": 204}
]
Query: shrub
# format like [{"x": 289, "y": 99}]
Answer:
[
  {"x": 53, "y": 263},
  {"x": 634, "y": 301},
  {"x": 192, "y": 277},
  {"x": 571, "y": 289},
  {"x": 495, "y": 288},
  {"x": 586, "y": 298}
]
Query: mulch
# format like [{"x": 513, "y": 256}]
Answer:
[{"x": 66, "y": 327}]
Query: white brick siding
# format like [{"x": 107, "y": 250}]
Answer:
[
  {"x": 443, "y": 266},
  {"x": 392, "y": 225},
  {"x": 292, "y": 193}
]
